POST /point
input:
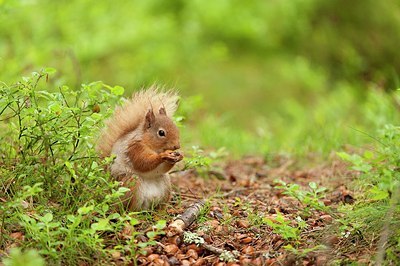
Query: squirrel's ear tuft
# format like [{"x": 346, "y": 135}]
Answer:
[
  {"x": 162, "y": 111},
  {"x": 150, "y": 118}
]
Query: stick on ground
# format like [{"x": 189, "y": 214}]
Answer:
[{"x": 185, "y": 219}]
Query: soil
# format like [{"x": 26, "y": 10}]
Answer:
[{"x": 241, "y": 195}]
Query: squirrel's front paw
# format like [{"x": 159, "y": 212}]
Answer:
[{"x": 171, "y": 156}]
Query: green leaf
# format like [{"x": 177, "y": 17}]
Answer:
[
  {"x": 85, "y": 210},
  {"x": 161, "y": 224},
  {"x": 102, "y": 225},
  {"x": 143, "y": 244},
  {"x": 151, "y": 234},
  {"x": 47, "y": 218},
  {"x": 55, "y": 107},
  {"x": 30, "y": 191},
  {"x": 114, "y": 216},
  {"x": 312, "y": 185},
  {"x": 27, "y": 219},
  {"x": 368, "y": 155},
  {"x": 49, "y": 70},
  {"x": 344, "y": 156},
  {"x": 117, "y": 90},
  {"x": 134, "y": 221},
  {"x": 122, "y": 190},
  {"x": 363, "y": 167},
  {"x": 378, "y": 194},
  {"x": 25, "y": 258},
  {"x": 105, "y": 208},
  {"x": 71, "y": 218},
  {"x": 54, "y": 225}
]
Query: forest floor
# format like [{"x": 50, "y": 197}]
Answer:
[{"x": 256, "y": 220}]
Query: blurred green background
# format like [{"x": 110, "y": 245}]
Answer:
[{"x": 295, "y": 76}]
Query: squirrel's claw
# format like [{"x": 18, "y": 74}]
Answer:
[{"x": 171, "y": 156}]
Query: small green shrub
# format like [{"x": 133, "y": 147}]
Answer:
[
  {"x": 54, "y": 188},
  {"x": 379, "y": 168},
  {"x": 377, "y": 209},
  {"x": 310, "y": 199},
  {"x": 283, "y": 227}
]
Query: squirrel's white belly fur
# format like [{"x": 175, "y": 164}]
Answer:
[
  {"x": 152, "y": 191},
  {"x": 153, "y": 186}
]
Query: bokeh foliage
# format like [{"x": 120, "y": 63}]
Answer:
[{"x": 299, "y": 76}]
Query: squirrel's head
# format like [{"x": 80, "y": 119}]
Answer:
[{"x": 159, "y": 131}]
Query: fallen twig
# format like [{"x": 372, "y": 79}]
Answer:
[
  {"x": 212, "y": 249},
  {"x": 189, "y": 196},
  {"x": 185, "y": 219},
  {"x": 233, "y": 191},
  {"x": 189, "y": 238}
]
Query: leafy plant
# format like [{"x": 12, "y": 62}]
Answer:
[
  {"x": 379, "y": 169},
  {"x": 303, "y": 252},
  {"x": 310, "y": 199},
  {"x": 197, "y": 160},
  {"x": 377, "y": 208},
  {"x": 358, "y": 162},
  {"x": 55, "y": 190},
  {"x": 282, "y": 227}
]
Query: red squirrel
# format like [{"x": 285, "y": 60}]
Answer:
[{"x": 144, "y": 140}]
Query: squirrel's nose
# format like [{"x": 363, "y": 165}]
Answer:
[{"x": 177, "y": 147}]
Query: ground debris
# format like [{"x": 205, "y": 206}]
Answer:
[{"x": 252, "y": 220}]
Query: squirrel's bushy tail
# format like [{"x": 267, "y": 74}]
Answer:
[{"x": 131, "y": 114}]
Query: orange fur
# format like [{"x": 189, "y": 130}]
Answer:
[
  {"x": 129, "y": 116},
  {"x": 143, "y": 158}
]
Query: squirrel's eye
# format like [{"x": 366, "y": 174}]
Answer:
[{"x": 161, "y": 133}]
